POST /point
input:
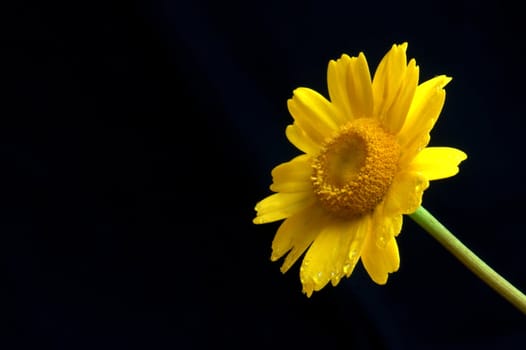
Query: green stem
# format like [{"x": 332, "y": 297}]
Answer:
[{"x": 428, "y": 222}]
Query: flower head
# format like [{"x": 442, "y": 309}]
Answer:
[{"x": 364, "y": 164}]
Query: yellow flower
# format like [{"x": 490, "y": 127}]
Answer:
[{"x": 365, "y": 164}]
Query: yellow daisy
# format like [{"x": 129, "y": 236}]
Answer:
[{"x": 364, "y": 164}]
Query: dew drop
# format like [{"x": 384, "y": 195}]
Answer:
[
  {"x": 304, "y": 265},
  {"x": 319, "y": 274},
  {"x": 347, "y": 268},
  {"x": 317, "y": 278},
  {"x": 381, "y": 242},
  {"x": 335, "y": 278}
]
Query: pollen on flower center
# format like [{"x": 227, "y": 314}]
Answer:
[{"x": 354, "y": 170}]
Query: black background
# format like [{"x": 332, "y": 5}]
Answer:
[{"x": 136, "y": 138}]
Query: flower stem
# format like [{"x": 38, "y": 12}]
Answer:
[{"x": 428, "y": 222}]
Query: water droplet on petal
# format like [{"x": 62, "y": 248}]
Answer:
[
  {"x": 317, "y": 278},
  {"x": 353, "y": 254},
  {"x": 381, "y": 242},
  {"x": 335, "y": 278},
  {"x": 308, "y": 288}
]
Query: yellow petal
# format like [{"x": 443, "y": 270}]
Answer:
[
  {"x": 282, "y": 205},
  {"x": 313, "y": 113},
  {"x": 397, "y": 113},
  {"x": 387, "y": 81},
  {"x": 301, "y": 140},
  {"x": 363, "y": 228},
  {"x": 295, "y": 234},
  {"x": 360, "y": 87},
  {"x": 424, "y": 111},
  {"x": 337, "y": 82},
  {"x": 379, "y": 262},
  {"x": 405, "y": 194},
  {"x": 385, "y": 226},
  {"x": 292, "y": 176},
  {"x": 333, "y": 253},
  {"x": 437, "y": 162},
  {"x": 380, "y": 252}
]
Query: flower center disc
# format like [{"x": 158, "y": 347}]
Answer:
[{"x": 354, "y": 170}]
